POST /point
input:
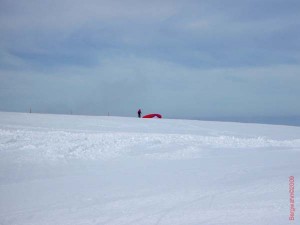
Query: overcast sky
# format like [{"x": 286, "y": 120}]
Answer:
[{"x": 183, "y": 59}]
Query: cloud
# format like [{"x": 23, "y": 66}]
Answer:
[
  {"x": 206, "y": 33},
  {"x": 120, "y": 85},
  {"x": 183, "y": 59}
]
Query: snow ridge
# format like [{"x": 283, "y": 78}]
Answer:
[{"x": 55, "y": 145}]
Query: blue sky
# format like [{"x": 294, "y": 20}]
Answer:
[{"x": 184, "y": 59}]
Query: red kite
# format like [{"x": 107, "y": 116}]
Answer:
[{"x": 153, "y": 116}]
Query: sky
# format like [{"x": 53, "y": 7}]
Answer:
[{"x": 183, "y": 59}]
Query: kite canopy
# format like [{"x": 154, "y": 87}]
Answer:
[{"x": 153, "y": 116}]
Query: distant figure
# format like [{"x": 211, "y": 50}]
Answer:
[{"x": 140, "y": 113}]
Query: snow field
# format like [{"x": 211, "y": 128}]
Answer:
[{"x": 57, "y": 169}]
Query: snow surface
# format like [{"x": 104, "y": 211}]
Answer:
[{"x": 59, "y": 169}]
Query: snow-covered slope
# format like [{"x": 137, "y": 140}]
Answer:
[{"x": 57, "y": 169}]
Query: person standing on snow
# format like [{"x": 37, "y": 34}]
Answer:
[{"x": 139, "y": 113}]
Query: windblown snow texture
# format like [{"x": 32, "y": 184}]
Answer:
[{"x": 57, "y": 169}]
